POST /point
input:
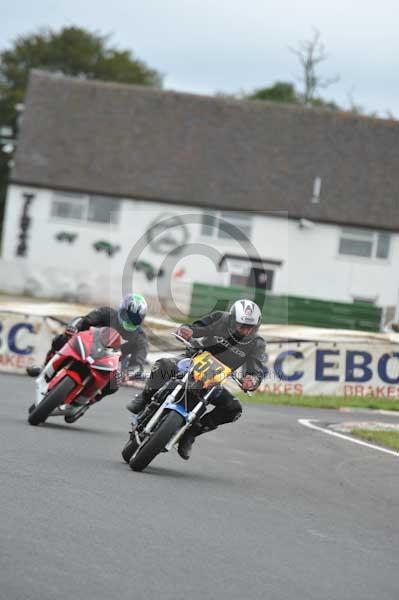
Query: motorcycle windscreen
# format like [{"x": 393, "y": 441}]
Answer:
[
  {"x": 110, "y": 338},
  {"x": 209, "y": 370},
  {"x": 99, "y": 347}
]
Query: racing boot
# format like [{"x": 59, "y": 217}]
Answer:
[
  {"x": 186, "y": 444},
  {"x": 188, "y": 438},
  {"x": 136, "y": 404},
  {"x": 33, "y": 371}
]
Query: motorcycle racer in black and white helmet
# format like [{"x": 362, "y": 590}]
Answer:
[{"x": 232, "y": 337}]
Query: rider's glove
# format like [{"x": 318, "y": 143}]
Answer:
[
  {"x": 71, "y": 330},
  {"x": 135, "y": 372},
  {"x": 185, "y": 332},
  {"x": 74, "y": 326},
  {"x": 249, "y": 383}
]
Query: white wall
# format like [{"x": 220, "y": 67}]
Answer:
[
  {"x": 310, "y": 267},
  {"x": 316, "y": 269}
]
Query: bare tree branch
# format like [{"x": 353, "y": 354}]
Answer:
[{"x": 311, "y": 53}]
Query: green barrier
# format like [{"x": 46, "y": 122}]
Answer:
[{"x": 290, "y": 310}]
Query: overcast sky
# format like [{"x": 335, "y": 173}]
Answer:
[{"x": 206, "y": 46}]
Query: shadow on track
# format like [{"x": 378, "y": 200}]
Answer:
[
  {"x": 152, "y": 472},
  {"x": 61, "y": 427}
]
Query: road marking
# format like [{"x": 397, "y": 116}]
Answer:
[{"x": 308, "y": 423}]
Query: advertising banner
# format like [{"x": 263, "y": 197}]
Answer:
[
  {"x": 24, "y": 340},
  {"x": 357, "y": 368},
  {"x": 346, "y": 364}
]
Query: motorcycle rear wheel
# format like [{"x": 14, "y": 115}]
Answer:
[
  {"x": 54, "y": 398},
  {"x": 157, "y": 442}
]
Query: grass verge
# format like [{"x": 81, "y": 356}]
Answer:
[
  {"x": 389, "y": 439},
  {"x": 322, "y": 401}
]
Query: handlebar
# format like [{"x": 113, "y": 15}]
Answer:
[{"x": 181, "y": 339}]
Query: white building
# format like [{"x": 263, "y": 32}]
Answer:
[{"x": 112, "y": 179}]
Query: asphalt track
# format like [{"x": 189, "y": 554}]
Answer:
[{"x": 265, "y": 509}]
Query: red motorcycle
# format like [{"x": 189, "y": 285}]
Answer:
[{"x": 70, "y": 381}]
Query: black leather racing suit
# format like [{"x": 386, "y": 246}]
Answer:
[{"x": 235, "y": 352}]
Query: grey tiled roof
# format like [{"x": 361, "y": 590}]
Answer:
[{"x": 137, "y": 142}]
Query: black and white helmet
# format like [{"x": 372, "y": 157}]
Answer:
[{"x": 245, "y": 312}]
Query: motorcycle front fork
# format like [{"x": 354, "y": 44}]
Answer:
[
  {"x": 190, "y": 418},
  {"x": 42, "y": 380}
]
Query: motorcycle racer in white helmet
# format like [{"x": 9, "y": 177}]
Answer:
[{"x": 233, "y": 338}]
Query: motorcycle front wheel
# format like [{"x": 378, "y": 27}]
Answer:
[
  {"x": 54, "y": 398},
  {"x": 157, "y": 441},
  {"x": 129, "y": 449}
]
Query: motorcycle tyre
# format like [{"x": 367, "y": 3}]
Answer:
[
  {"x": 129, "y": 449},
  {"x": 54, "y": 398},
  {"x": 157, "y": 442}
]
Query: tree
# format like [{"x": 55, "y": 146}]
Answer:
[
  {"x": 281, "y": 91},
  {"x": 284, "y": 92},
  {"x": 310, "y": 54},
  {"x": 71, "y": 51}
]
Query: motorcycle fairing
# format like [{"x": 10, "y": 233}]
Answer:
[
  {"x": 87, "y": 348},
  {"x": 91, "y": 346}
]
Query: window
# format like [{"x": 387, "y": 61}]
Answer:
[
  {"x": 68, "y": 206},
  {"x": 383, "y": 245},
  {"x": 103, "y": 210},
  {"x": 227, "y": 225},
  {"x": 364, "y": 243},
  {"x": 85, "y": 208}
]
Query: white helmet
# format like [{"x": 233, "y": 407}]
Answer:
[{"x": 245, "y": 312}]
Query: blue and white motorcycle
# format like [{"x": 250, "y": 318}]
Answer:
[{"x": 175, "y": 407}]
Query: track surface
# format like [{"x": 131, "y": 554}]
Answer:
[{"x": 265, "y": 508}]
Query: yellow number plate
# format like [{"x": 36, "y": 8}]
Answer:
[{"x": 209, "y": 370}]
